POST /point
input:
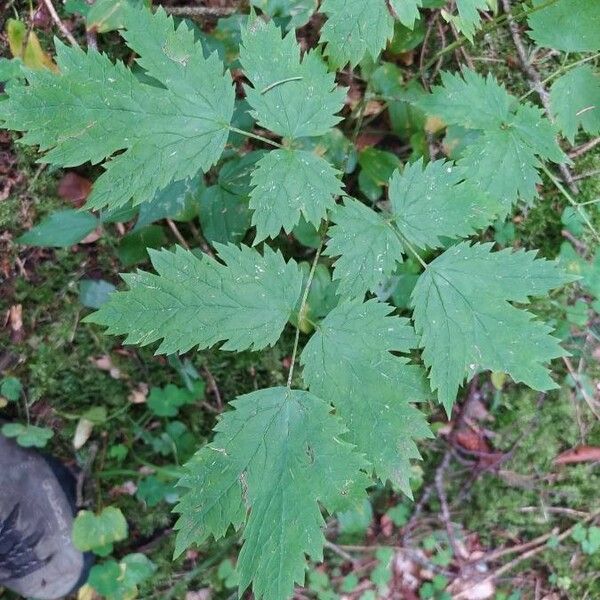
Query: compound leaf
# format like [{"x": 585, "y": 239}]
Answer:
[
  {"x": 348, "y": 362},
  {"x": 353, "y": 28},
  {"x": 166, "y": 133},
  {"x": 569, "y": 25},
  {"x": 575, "y": 101},
  {"x": 463, "y": 316},
  {"x": 277, "y": 455},
  {"x": 292, "y": 97},
  {"x": 198, "y": 302},
  {"x": 434, "y": 201},
  {"x": 367, "y": 246},
  {"x": 503, "y": 161},
  {"x": 289, "y": 184}
]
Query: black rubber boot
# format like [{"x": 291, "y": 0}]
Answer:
[{"x": 37, "y": 558}]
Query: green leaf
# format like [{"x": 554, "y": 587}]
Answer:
[
  {"x": 292, "y": 97},
  {"x": 463, "y": 317},
  {"x": 166, "y": 402},
  {"x": 99, "y": 532},
  {"x": 61, "y": 229},
  {"x": 407, "y": 11},
  {"x": 119, "y": 581},
  {"x": 569, "y": 25},
  {"x": 11, "y": 388},
  {"x": 348, "y": 361},
  {"x": 290, "y": 184},
  {"x": 367, "y": 246},
  {"x": 133, "y": 247},
  {"x": 504, "y": 160},
  {"x": 298, "y": 12},
  {"x": 353, "y": 28},
  {"x": 575, "y": 101},
  {"x": 469, "y": 100},
  {"x": 499, "y": 165},
  {"x": 468, "y": 15},
  {"x": 28, "y": 436},
  {"x": 108, "y": 15},
  {"x": 166, "y": 133},
  {"x": 280, "y": 454},
  {"x": 178, "y": 201},
  {"x": 434, "y": 201},
  {"x": 93, "y": 293},
  {"x": 377, "y": 166},
  {"x": 225, "y": 217},
  {"x": 198, "y": 302}
]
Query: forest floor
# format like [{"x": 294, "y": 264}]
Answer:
[{"x": 505, "y": 499}]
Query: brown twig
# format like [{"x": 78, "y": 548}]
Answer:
[
  {"x": 441, "y": 492},
  {"x": 214, "y": 388},
  {"x": 177, "y": 233},
  {"x": 581, "y": 150},
  {"x": 59, "y": 23},
  {"x": 540, "y": 546},
  {"x": 581, "y": 247}
]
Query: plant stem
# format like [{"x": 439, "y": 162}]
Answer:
[
  {"x": 254, "y": 136},
  {"x": 561, "y": 188},
  {"x": 489, "y": 26},
  {"x": 407, "y": 245},
  {"x": 311, "y": 275}
]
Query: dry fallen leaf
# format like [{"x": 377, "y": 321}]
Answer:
[
  {"x": 104, "y": 363},
  {"x": 75, "y": 188},
  {"x": 578, "y": 454},
  {"x": 83, "y": 431},
  {"x": 139, "y": 394},
  {"x": 203, "y": 594},
  {"x": 15, "y": 319}
]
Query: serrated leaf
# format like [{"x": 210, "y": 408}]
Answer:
[
  {"x": 407, "y": 11},
  {"x": 178, "y": 201},
  {"x": 198, "y": 302},
  {"x": 298, "y": 12},
  {"x": 569, "y": 25},
  {"x": 367, "y": 247},
  {"x": 224, "y": 216},
  {"x": 353, "y": 28},
  {"x": 468, "y": 19},
  {"x": 463, "y": 315},
  {"x": 575, "y": 101},
  {"x": 108, "y": 15},
  {"x": 503, "y": 161},
  {"x": 165, "y": 134},
  {"x": 61, "y": 229},
  {"x": 433, "y": 201},
  {"x": 290, "y": 184},
  {"x": 487, "y": 161},
  {"x": 278, "y": 453},
  {"x": 469, "y": 100},
  {"x": 292, "y": 97},
  {"x": 348, "y": 361}
]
